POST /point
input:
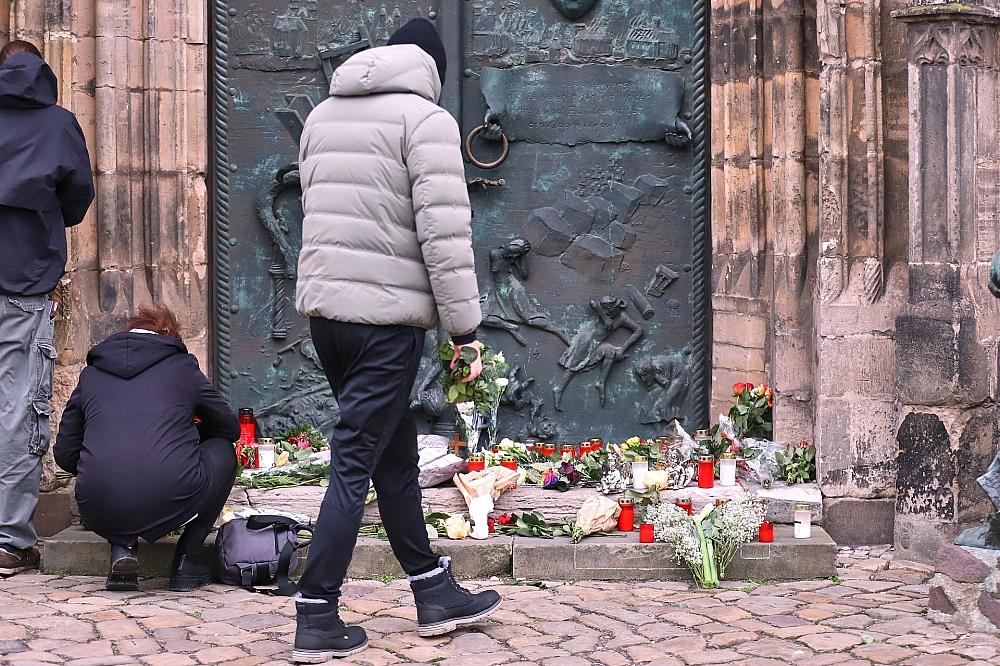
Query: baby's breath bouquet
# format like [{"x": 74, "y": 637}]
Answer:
[
  {"x": 477, "y": 402},
  {"x": 707, "y": 542}
]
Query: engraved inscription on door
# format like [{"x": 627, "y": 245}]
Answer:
[{"x": 590, "y": 235}]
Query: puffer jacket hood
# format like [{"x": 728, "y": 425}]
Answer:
[
  {"x": 126, "y": 355},
  {"x": 26, "y": 82},
  {"x": 403, "y": 68},
  {"x": 387, "y": 233}
]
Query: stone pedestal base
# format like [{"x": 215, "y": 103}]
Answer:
[{"x": 966, "y": 588}]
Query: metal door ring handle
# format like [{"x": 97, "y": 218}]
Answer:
[{"x": 504, "y": 152}]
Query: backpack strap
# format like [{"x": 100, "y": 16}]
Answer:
[{"x": 288, "y": 526}]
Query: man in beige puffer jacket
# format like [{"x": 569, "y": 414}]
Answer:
[{"x": 386, "y": 254}]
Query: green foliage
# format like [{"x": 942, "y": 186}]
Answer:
[
  {"x": 751, "y": 415},
  {"x": 532, "y": 524},
  {"x": 797, "y": 464},
  {"x": 305, "y": 475},
  {"x": 483, "y": 391}
]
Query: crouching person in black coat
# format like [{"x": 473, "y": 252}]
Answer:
[{"x": 151, "y": 443}]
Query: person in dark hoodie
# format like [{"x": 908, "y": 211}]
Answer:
[
  {"x": 151, "y": 444},
  {"x": 46, "y": 186}
]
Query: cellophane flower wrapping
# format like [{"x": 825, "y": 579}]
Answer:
[{"x": 597, "y": 514}]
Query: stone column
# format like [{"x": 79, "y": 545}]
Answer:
[
  {"x": 764, "y": 204},
  {"x": 860, "y": 281},
  {"x": 946, "y": 361},
  {"x": 135, "y": 74}
]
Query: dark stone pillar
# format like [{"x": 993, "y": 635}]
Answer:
[{"x": 945, "y": 340}]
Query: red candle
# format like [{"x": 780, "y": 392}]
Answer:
[
  {"x": 492, "y": 524},
  {"x": 626, "y": 519},
  {"x": 685, "y": 504},
  {"x": 548, "y": 450},
  {"x": 477, "y": 463},
  {"x": 248, "y": 426},
  {"x": 706, "y": 471},
  {"x": 568, "y": 449},
  {"x": 766, "y": 532},
  {"x": 509, "y": 464},
  {"x": 646, "y": 533}
]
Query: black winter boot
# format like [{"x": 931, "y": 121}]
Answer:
[
  {"x": 321, "y": 635},
  {"x": 189, "y": 571},
  {"x": 443, "y": 605},
  {"x": 123, "y": 573}
]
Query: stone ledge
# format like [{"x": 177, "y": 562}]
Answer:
[
  {"x": 624, "y": 558},
  {"x": 76, "y": 551},
  {"x": 555, "y": 506}
]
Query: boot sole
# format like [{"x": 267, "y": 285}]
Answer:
[
  {"x": 123, "y": 576},
  {"x": 10, "y": 571},
  {"x": 188, "y": 583},
  {"x": 320, "y": 656},
  {"x": 428, "y": 630}
]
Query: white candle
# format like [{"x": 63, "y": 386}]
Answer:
[
  {"x": 265, "y": 453},
  {"x": 803, "y": 521},
  {"x": 639, "y": 469},
  {"x": 727, "y": 470}
]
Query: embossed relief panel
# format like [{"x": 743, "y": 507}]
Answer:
[{"x": 590, "y": 237}]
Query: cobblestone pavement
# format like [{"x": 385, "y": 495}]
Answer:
[{"x": 871, "y": 614}]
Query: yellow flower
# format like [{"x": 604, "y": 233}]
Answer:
[{"x": 281, "y": 460}]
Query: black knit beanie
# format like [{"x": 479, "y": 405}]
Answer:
[{"x": 422, "y": 32}]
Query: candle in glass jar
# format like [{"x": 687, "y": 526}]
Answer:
[
  {"x": 686, "y": 504},
  {"x": 477, "y": 462},
  {"x": 491, "y": 523},
  {"x": 727, "y": 469},
  {"x": 706, "y": 471},
  {"x": 509, "y": 462},
  {"x": 639, "y": 468},
  {"x": 596, "y": 444},
  {"x": 248, "y": 425},
  {"x": 646, "y": 533},
  {"x": 626, "y": 519},
  {"x": 766, "y": 534},
  {"x": 265, "y": 453},
  {"x": 803, "y": 521},
  {"x": 548, "y": 450},
  {"x": 568, "y": 450}
]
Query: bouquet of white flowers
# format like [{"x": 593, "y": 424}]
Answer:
[{"x": 477, "y": 402}]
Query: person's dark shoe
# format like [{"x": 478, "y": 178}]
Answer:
[
  {"x": 14, "y": 561},
  {"x": 188, "y": 572},
  {"x": 443, "y": 605},
  {"x": 321, "y": 635},
  {"x": 123, "y": 574}
]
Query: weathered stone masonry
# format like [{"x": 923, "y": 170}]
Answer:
[{"x": 856, "y": 187}]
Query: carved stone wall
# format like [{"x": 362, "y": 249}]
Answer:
[
  {"x": 764, "y": 203},
  {"x": 135, "y": 75},
  {"x": 946, "y": 336}
]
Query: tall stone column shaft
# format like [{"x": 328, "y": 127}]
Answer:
[{"x": 946, "y": 339}]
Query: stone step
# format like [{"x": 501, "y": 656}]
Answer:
[
  {"x": 554, "y": 505},
  {"x": 75, "y": 551}
]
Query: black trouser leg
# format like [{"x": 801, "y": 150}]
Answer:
[
  {"x": 371, "y": 371},
  {"x": 220, "y": 458},
  {"x": 397, "y": 484}
]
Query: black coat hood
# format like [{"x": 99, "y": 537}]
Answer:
[
  {"x": 126, "y": 355},
  {"x": 26, "y": 82}
]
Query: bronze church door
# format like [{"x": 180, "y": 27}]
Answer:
[{"x": 586, "y": 150}]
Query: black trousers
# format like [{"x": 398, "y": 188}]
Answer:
[
  {"x": 371, "y": 371},
  {"x": 220, "y": 459}
]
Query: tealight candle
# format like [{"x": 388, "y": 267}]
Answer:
[
  {"x": 265, "y": 453},
  {"x": 646, "y": 533},
  {"x": 626, "y": 519},
  {"x": 727, "y": 469},
  {"x": 639, "y": 468},
  {"x": 706, "y": 471},
  {"x": 803, "y": 521},
  {"x": 766, "y": 534}
]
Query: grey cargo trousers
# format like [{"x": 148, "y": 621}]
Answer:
[{"x": 27, "y": 356}]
